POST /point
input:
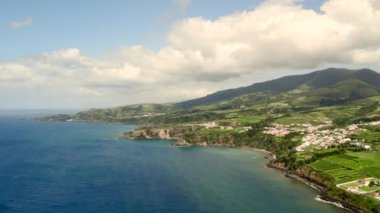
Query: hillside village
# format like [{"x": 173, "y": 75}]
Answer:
[
  {"x": 321, "y": 136},
  {"x": 316, "y": 137}
]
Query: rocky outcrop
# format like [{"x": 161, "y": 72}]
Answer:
[
  {"x": 183, "y": 135},
  {"x": 154, "y": 133},
  {"x": 150, "y": 133},
  {"x": 181, "y": 142},
  {"x": 277, "y": 165}
]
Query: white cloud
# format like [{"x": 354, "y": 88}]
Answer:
[
  {"x": 278, "y": 35},
  {"x": 201, "y": 53},
  {"x": 16, "y": 24}
]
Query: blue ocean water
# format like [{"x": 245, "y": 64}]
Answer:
[{"x": 83, "y": 167}]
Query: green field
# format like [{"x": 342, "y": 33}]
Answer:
[
  {"x": 303, "y": 118},
  {"x": 247, "y": 120},
  {"x": 350, "y": 166}
]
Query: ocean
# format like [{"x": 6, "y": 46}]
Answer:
[{"x": 84, "y": 167}]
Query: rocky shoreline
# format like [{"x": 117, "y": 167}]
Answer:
[{"x": 323, "y": 196}]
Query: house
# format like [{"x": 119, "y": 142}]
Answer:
[
  {"x": 374, "y": 194},
  {"x": 365, "y": 182},
  {"x": 209, "y": 125},
  {"x": 353, "y": 127},
  {"x": 375, "y": 123},
  {"x": 353, "y": 188}
]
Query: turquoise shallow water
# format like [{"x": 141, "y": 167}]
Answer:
[{"x": 79, "y": 167}]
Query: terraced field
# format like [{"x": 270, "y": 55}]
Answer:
[{"x": 350, "y": 166}]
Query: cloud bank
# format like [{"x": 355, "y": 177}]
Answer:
[{"x": 201, "y": 54}]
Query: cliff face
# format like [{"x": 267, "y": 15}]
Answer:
[{"x": 314, "y": 176}]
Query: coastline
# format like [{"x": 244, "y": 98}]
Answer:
[{"x": 323, "y": 197}]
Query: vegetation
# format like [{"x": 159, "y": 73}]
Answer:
[{"x": 370, "y": 135}]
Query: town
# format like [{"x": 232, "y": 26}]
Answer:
[{"x": 321, "y": 136}]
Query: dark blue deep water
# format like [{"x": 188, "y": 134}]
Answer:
[{"x": 80, "y": 167}]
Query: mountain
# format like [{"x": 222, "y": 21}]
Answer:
[
  {"x": 327, "y": 84},
  {"x": 329, "y": 87}
]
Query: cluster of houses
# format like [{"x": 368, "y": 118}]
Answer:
[
  {"x": 374, "y": 123},
  {"x": 209, "y": 125},
  {"x": 319, "y": 136},
  {"x": 360, "y": 183},
  {"x": 314, "y": 136},
  {"x": 362, "y": 186},
  {"x": 278, "y": 130},
  {"x": 322, "y": 137},
  {"x": 282, "y": 130}
]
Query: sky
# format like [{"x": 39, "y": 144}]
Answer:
[{"x": 93, "y": 53}]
